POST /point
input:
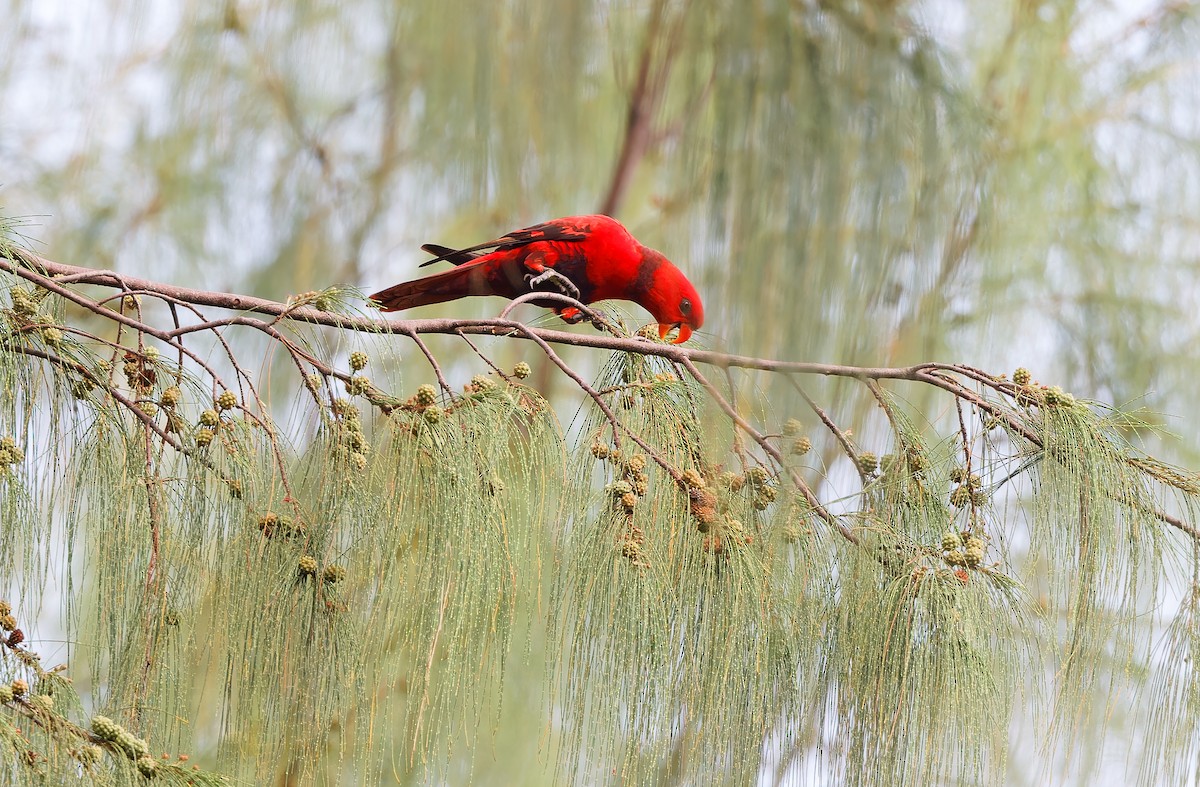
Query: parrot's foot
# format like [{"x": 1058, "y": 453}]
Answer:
[
  {"x": 601, "y": 320},
  {"x": 556, "y": 280},
  {"x": 571, "y": 315}
]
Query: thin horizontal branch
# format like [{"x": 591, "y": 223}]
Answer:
[{"x": 32, "y": 267}]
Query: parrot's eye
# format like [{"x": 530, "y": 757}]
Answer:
[{"x": 685, "y": 307}]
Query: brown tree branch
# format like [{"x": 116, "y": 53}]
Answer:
[
  {"x": 52, "y": 275},
  {"x": 43, "y": 272},
  {"x": 645, "y": 101}
]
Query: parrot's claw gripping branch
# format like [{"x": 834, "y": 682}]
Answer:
[{"x": 556, "y": 280}]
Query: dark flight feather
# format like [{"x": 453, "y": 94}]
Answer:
[{"x": 547, "y": 231}]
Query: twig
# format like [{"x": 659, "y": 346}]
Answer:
[
  {"x": 483, "y": 357},
  {"x": 771, "y": 450},
  {"x": 437, "y": 369},
  {"x": 538, "y": 295},
  {"x": 586, "y": 387},
  {"x": 152, "y": 610},
  {"x": 847, "y": 446}
]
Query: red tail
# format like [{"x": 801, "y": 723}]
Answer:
[
  {"x": 439, "y": 288},
  {"x": 476, "y": 278}
]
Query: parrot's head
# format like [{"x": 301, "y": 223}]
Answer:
[{"x": 670, "y": 297}]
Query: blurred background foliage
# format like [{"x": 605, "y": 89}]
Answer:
[{"x": 874, "y": 183}]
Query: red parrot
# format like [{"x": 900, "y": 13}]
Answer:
[{"x": 589, "y": 258}]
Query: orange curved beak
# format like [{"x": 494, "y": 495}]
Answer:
[{"x": 685, "y": 332}]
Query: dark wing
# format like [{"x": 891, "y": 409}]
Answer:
[
  {"x": 452, "y": 256},
  {"x": 558, "y": 229}
]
